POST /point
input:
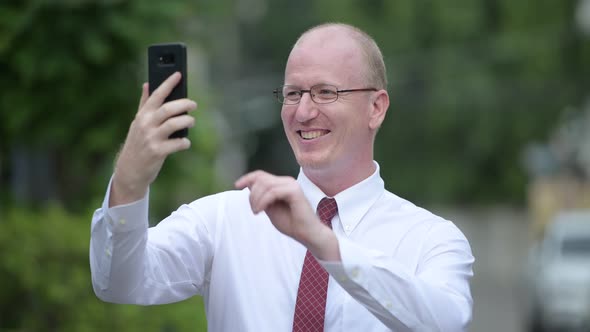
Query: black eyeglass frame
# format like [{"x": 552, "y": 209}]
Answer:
[{"x": 302, "y": 91}]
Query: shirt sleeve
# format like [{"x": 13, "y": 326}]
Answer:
[
  {"x": 433, "y": 297},
  {"x": 132, "y": 263}
]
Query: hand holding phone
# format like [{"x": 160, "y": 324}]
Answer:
[
  {"x": 163, "y": 61},
  {"x": 159, "y": 118}
]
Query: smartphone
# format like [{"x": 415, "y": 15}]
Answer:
[{"x": 163, "y": 61}]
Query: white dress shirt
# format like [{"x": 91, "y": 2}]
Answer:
[{"x": 402, "y": 269}]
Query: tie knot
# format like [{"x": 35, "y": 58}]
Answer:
[{"x": 327, "y": 209}]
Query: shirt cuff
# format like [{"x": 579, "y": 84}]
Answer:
[
  {"x": 349, "y": 269},
  {"x": 126, "y": 217}
]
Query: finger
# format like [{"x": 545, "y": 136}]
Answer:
[
  {"x": 268, "y": 197},
  {"x": 248, "y": 179},
  {"x": 175, "y": 123},
  {"x": 173, "y": 145},
  {"x": 282, "y": 190},
  {"x": 172, "y": 108},
  {"x": 268, "y": 189},
  {"x": 144, "y": 95},
  {"x": 257, "y": 189},
  {"x": 159, "y": 95}
]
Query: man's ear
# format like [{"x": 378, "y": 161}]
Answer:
[{"x": 379, "y": 108}]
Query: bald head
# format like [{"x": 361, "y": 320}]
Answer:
[{"x": 374, "y": 72}]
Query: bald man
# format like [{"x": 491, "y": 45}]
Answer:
[{"x": 330, "y": 250}]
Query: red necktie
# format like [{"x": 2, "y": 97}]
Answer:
[{"x": 310, "y": 308}]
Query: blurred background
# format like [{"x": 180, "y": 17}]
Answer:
[{"x": 489, "y": 126}]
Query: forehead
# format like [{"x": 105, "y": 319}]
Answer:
[{"x": 325, "y": 56}]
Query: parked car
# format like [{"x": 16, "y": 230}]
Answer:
[{"x": 560, "y": 275}]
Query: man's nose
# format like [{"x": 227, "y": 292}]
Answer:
[{"x": 306, "y": 109}]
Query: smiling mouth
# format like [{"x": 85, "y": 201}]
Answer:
[{"x": 312, "y": 134}]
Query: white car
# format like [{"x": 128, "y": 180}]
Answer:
[{"x": 560, "y": 279}]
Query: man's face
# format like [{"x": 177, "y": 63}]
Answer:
[{"x": 338, "y": 134}]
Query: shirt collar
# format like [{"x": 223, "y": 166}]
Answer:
[{"x": 353, "y": 203}]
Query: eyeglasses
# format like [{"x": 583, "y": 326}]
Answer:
[{"x": 320, "y": 94}]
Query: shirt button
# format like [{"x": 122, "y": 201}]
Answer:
[
  {"x": 354, "y": 273},
  {"x": 347, "y": 227},
  {"x": 122, "y": 221},
  {"x": 388, "y": 305}
]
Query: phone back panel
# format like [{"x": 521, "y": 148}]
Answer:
[{"x": 163, "y": 61}]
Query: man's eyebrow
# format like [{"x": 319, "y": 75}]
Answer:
[{"x": 312, "y": 85}]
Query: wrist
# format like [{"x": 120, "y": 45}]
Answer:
[
  {"x": 322, "y": 242},
  {"x": 125, "y": 192}
]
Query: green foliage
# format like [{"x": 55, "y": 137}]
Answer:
[
  {"x": 73, "y": 63},
  {"x": 70, "y": 83},
  {"x": 71, "y": 79},
  {"x": 45, "y": 273}
]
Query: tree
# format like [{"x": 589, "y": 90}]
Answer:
[
  {"x": 71, "y": 79},
  {"x": 70, "y": 83}
]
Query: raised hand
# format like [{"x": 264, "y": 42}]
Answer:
[
  {"x": 148, "y": 143},
  {"x": 290, "y": 212}
]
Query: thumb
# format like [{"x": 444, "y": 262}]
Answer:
[{"x": 144, "y": 95}]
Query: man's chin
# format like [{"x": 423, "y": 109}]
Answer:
[{"x": 312, "y": 163}]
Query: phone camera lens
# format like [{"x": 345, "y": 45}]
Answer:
[{"x": 166, "y": 59}]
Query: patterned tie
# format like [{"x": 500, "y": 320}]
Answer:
[{"x": 310, "y": 308}]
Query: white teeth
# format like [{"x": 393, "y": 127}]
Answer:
[{"x": 312, "y": 134}]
